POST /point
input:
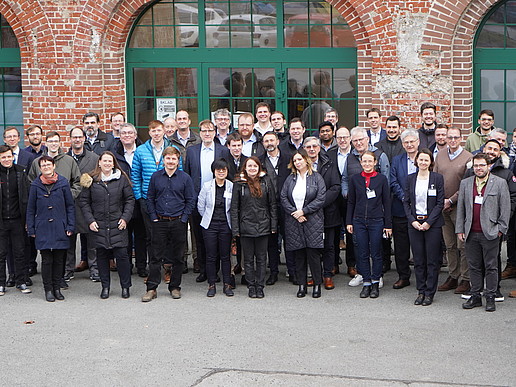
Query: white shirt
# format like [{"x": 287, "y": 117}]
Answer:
[
  {"x": 274, "y": 161},
  {"x": 411, "y": 167},
  {"x": 247, "y": 148},
  {"x": 375, "y": 137},
  {"x": 421, "y": 196},
  {"x": 299, "y": 191},
  {"x": 207, "y": 158},
  {"x": 342, "y": 158},
  {"x": 261, "y": 131},
  {"x": 16, "y": 152},
  {"x": 129, "y": 155}
]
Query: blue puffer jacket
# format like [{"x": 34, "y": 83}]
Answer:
[
  {"x": 144, "y": 165},
  {"x": 51, "y": 214}
]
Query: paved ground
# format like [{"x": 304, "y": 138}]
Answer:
[{"x": 338, "y": 340}]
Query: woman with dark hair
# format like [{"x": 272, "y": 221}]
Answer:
[
  {"x": 214, "y": 205},
  {"x": 107, "y": 203},
  {"x": 253, "y": 218},
  {"x": 302, "y": 199},
  {"x": 423, "y": 202},
  {"x": 368, "y": 217},
  {"x": 51, "y": 220}
]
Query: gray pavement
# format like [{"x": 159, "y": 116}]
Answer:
[{"x": 337, "y": 340}]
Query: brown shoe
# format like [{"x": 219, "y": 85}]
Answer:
[
  {"x": 176, "y": 294},
  {"x": 400, "y": 284},
  {"x": 342, "y": 244},
  {"x": 449, "y": 284},
  {"x": 509, "y": 272},
  {"x": 112, "y": 265},
  {"x": 463, "y": 287},
  {"x": 328, "y": 283},
  {"x": 196, "y": 266},
  {"x": 512, "y": 294},
  {"x": 83, "y": 265},
  {"x": 352, "y": 271},
  {"x": 149, "y": 296},
  {"x": 168, "y": 273},
  {"x": 310, "y": 282},
  {"x": 335, "y": 270}
]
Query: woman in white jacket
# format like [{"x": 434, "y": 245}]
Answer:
[{"x": 214, "y": 204}]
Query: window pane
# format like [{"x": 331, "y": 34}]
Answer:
[
  {"x": 345, "y": 83},
  {"x": 491, "y": 36},
  {"x": 143, "y": 111},
  {"x": 511, "y": 36},
  {"x": 510, "y": 11},
  {"x": 492, "y": 84},
  {"x": 510, "y": 85},
  {"x": 498, "y": 109},
  {"x": 141, "y": 37},
  {"x": 187, "y": 82},
  {"x": 163, "y": 14},
  {"x": 13, "y": 109},
  {"x": 510, "y": 124},
  {"x": 164, "y": 37},
  {"x": 165, "y": 82},
  {"x": 143, "y": 79}
]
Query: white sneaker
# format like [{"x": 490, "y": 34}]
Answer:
[
  {"x": 381, "y": 283},
  {"x": 357, "y": 280}
]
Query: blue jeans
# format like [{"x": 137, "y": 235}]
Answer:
[{"x": 367, "y": 236}]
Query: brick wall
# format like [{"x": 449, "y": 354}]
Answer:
[{"x": 408, "y": 52}]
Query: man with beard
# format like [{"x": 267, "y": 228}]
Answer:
[
  {"x": 427, "y": 129},
  {"x": 480, "y": 135},
  {"x": 440, "y": 139},
  {"x": 97, "y": 140},
  {"x": 35, "y": 136},
  {"x": 391, "y": 144}
]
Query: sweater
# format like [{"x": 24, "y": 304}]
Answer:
[{"x": 452, "y": 171}]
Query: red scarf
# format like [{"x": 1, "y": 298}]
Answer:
[
  {"x": 368, "y": 177},
  {"x": 49, "y": 180}
]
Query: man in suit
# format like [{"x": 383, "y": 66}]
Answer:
[
  {"x": 21, "y": 156},
  {"x": 375, "y": 132},
  {"x": 199, "y": 158},
  {"x": 402, "y": 166},
  {"x": 483, "y": 212}
]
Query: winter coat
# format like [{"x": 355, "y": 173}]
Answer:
[
  {"x": 50, "y": 214},
  {"x": 330, "y": 174},
  {"x": 310, "y": 233},
  {"x": 106, "y": 202},
  {"x": 103, "y": 142},
  {"x": 23, "y": 190},
  {"x": 250, "y": 216}
]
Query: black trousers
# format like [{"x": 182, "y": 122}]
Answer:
[
  {"x": 199, "y": 240},
  {"x": 12, "y": 238},
  {"x": 427, "y": 252},
  {"x": 350, "y": 246},
  {"x": 402, "y": 246},
  {"x": 328, "y": 255},
  {"x": 308, "y": 257},
  {"x": 123, "y": 266},
  {"x": 255, "y": 259},
  {"x": 481, "y": 255},
  {"x": 168, "y": 244},
  {"x": 148, "y": 227},
  {"x": 218, "y": 237},
  {"x": 138, "y": 240},
  {"x": 273, "y": 253},
  {"x": 52, "y": 267}
]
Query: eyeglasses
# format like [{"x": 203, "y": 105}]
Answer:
[
  {"x": 90, "y": 122},
  {"x": 311, "y": 146},
  {"x": 53, "y": 141},
  {"x": 11, "y": 136},
  {"x": 340, "y": 138},
  {"x": 358, "y": 139},
  {"x": 479, "y": 165},
  {"x": 486, "y": 119},
  {"x": 454, "y": 138},
  {"x": 205, "y": 131}
]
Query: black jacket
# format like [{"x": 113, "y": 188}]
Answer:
[
  {"x": 278, "y": 176},
  {"x": 330, "y": 173},
  {"x": 23, "y": 191},
  {"x": 390, "y": 148},
  {"x": 250, "y": 216},
  {"x": 232, "y": 168},
  {"x": 103, "y": 142}
]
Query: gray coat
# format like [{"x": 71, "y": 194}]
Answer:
[
  {"x": 495, "y": 210},
  {"x": 309, "y": 233}
]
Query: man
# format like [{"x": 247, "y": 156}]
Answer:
[
  {"x": 426, "y": 131},
  {"x": 222, "y": 125},
  {"x": 251, "y": 138},
  {"x": 275, "y": 163},
  {"x": 296, "y": 132},
  {"x": 170, "y": 201},
  {"x": 375, "y": 132},
  {"x": 97, "y": 140},
  {"x": 117, "y": 120},
  {"x": 14, "y": 193},
  {"x": 480, "y": 135},
  {"x": 21, "y": 157},
  {"x": 483, "y": 212},
  {"x": 402, "y": 166},
  {"x": 184, "y": 137},
  {"x": 234, "y": 144},
  {"x": 451, "y": 163},
  {"x": 332, "y": 220},
  {"x": 124, "y": 152},
  {"x": 263, "y": 118},
  {"x": 332, "y": 116},
  {"x": 440, "y": 135},
  {"x": 35, "y": 136},
  {"x": 170, "y": 125},
  {"x": 391, "y": 144},
  {"x": 199, "y": 158},
  {"x": 326, "y": 131},
  {"x": 86, "y": 161},
  {"x": 278, "y": 123}
]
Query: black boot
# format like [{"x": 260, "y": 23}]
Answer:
[
  {"x": 366, "y": 291},
  {"x": 125, "y": 293},
  {"x": 49, "y": 295},
  {"x": 316, "y": 293},
  {"x": 375, "y": 290},
  {"x": 273, "y": 278},
  {"x": 58, "y": 295},
  {"x": 302, "y": 291},
  {"x": 105, "y": 293},
  {"x": 490, "y": 304},
  {"x": 474, "y": 301}
]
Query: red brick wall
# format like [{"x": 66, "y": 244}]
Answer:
[{"x": 408, "y": 52}]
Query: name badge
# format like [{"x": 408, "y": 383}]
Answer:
[
  {"x": 432, "y": 192},
  {"x": 227, "y": 195},
  {"x": 479, "y": 199},
  {"x": 370, "y": 193}
]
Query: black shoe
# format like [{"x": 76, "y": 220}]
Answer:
[
  {"x": 104, "y": 293},
  {"x": 419, "y": 299},
  {"x": 316, "y": 292},
  {"x": 375, "y": 290},
  {"x": 50, "y": 296},
  {"x": 63, "y": 284},
  {"x": 259, "y": 292},
  {"x": 366, "y": 291},
  {"x": 125, "y": 293},
  {"x": 237, "y": 269},
  {"x": 490, "y": 304},
  {"x": 228, "y": 291},
  {"x": 386, "y": 267},
  {"x": 243, "y": 281},
  {"x": 201, "y": 278},
  {"x": 58, "y": 295},
  {"x": 10, "y": 282},
  {"x": 142, "y": 273},
  {"x": 473, "y": 302},
  {"x": 232, "y": 281},
  {"x": 273, "y": 278},
  {"x": 427, "y": 301},
  {"x": 29, "y": 282},
  {"x": 302, "y": 291},
  {"x": 185, "y": 269},
  {"x": 252, "y": 292},
  {"x": 211, "y": 291},
  {"x": 33, "y": 271}
]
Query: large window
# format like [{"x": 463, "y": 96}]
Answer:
[
  {"x": 10, "y": 78},
  {"x": 299, "y": 56}
]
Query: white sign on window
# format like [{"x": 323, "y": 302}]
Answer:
[{"x": 165, "y": 108}]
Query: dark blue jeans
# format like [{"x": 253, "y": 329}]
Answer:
[
  {"x": 367, "y": 236},
  {"x": 217, "y": 239}
]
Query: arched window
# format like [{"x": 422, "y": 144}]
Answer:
[
  {"x": 11, "y": 113},
  {"x": 495, "y": 65},
  {"x": 299, "y": 56}
]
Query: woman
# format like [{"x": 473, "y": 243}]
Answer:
[
  {"x": 214, "y": 205},
  {"x": 368, "y": 218},
  {"x": 423, "y": 202},
  {"x": 51, "y": 220},
  {"x": 107, "y": 203},
  {"x": 302, "y": 199},
  {"x": 253, "y": 218}
]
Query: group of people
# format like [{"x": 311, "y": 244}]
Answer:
[{"x": 251, "y": 190}]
